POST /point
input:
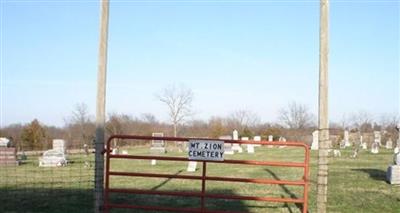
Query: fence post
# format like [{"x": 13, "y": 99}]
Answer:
[{"x": 100, "y": 108}]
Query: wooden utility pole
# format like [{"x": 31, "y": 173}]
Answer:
[
  {"x": 100, "y": 107},
  {"x": 323, "y": 121}
]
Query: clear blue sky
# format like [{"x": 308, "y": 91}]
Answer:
[{"x": 256, "y": 55}]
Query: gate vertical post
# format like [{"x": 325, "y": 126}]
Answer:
[{"x": 203, "y": 185}]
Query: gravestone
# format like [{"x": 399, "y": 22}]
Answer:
[
  {"x": 59, "y": 145},
  {"x": 235, "y": 146},
  {"x": 227, "y": 146},
  {"x": 396, "y": 149},
  {"x": 257, "y": 138},
  {"x": 8, "y": 156},
  {"x": 389, "y": 144},
  {"x": 346, "y": 139},
  {"x": 250, "y": 147},
  {"x": 270, "y": 139},
  {"x": 337, "y": 153},
  {"x": 235, "y": 135},
  {"x": 393, "y": 172},
  {"x": 375, "y": 148},
  {"x": 5, "y": 142},
  {"x": 52, "y": 158},
  {"x": 377, "y": 137},
  {"x": 398, "y": 139},
  {"x": 314, "y": 144},
  {"x": 115, "y": 151},
  {"x": 192, "y": 165},
  {"x": 282, "y": 139},
  {"x": 396, "y": 159},
  {"x": 362, "y": 143},
  {"x": 157, "y": 146}
]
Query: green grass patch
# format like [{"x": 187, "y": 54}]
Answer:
[{"x": 355, "y": 185}]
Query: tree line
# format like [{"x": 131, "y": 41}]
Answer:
[{"x": 295, "y": 122}]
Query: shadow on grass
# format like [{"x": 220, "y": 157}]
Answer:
[
  {"x": 166, "y": 181},
  {"x": 375, "y": 174},
  {"x": 187, "y": 202},
  {"x": 287, "y": 191},
  {"x": 46, "y": 200}
]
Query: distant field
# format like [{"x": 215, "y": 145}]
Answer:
[{"x": 355, "y": 185}]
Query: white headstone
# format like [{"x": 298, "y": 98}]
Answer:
[
  {"x": 364, "y": 146},
  {"x": 227, "y": 146},
  {"x": 377, "y": 137},
  {"x": 153, "y": 162},
  {"x": 257, "y": 138},
  {"x": 115, "y": 151},
  {"x": 396, "y": 158},
  {"x": 396, "y": 149},
  {"x": 53, "y": 158},
  {"x": 192, "y": 165},
  {"x": 270, "y": 139},
  {"x": 59, "y": 145},
  {"x": 393, "y": 174},
  {"x": 4, "y": 142},
  {"x": 375, "y": 148},
  {"x": 250, "y": 147},
  {"x": 235, "y": 146},
  {"x": 389, "y": 144},
  {"x": 157, "y": 146},
  {"x": 337, "y": 153},
  {"x": 282, "y": 139},
  {"x": 346, "y": 139},
  {"x": 314, "y": 144},
  {"x": 235, "y": 135}
]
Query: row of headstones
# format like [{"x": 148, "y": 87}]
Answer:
[
  {"x": 230, "y": 148},
  {"x": 8, "y": 154},
  {"x": 346, "y": 143},
  {"x": 158, "y": 146}
]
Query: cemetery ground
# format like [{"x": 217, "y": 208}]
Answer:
[{"x": 355, "y": 185}]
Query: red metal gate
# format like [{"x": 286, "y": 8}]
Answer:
[{"x": 204, "y": 178}]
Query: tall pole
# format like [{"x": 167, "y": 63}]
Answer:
[
  {"x": 323, "y": 122},
  {"x": 100, "y": 108}
]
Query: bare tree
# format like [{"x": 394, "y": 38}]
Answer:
[
  {"x": 296, "y": 116},
  {"x": 389, "y": 121},
  {"x": 179, "y": 103},
  {"x": 362, "y": 120},
  {"x": 80, "y": 125},
  {"x": 243, "y": 119}
]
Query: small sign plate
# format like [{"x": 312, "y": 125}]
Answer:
[{"x": 206, "y": 150}]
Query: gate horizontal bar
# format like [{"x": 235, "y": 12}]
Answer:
[
  {"x": 170, "y": 209},
  {"x": 194, "y": 177},
  {"x": 172, "y": 139},
  {"x": 247, "y": 162},
  {"x": 206, "y": 195}
]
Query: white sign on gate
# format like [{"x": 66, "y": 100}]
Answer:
[{"x": 206, "y": 150}]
